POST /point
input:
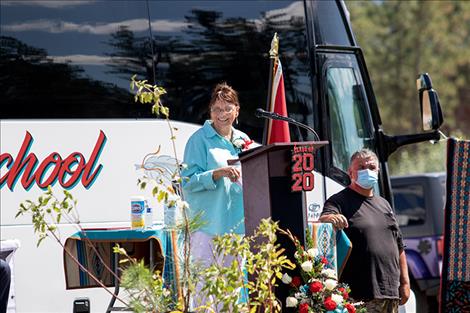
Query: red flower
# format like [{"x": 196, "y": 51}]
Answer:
[
  {"x": 351, "y": 308},
  {"x": 324, "y": 260},
  {"x": 246, "y": 143},
  {"x": 329, "y": 304},
  {"x": 296, "y": 281},
  {"x": 344, "y": 292},
  {"x": 303, "y": 308},
  {"x": 316, "y": 286}
]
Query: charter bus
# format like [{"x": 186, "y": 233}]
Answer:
[{"x": 65, "y": 71}]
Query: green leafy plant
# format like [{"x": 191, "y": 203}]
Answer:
[
  {"x": 225, "y": 284},
  {"x": 150, "y": 94},
  {"x": 266, "y": 265},
  {"x": 145, "y": 287},
  {"x": 47, "y": 212}
]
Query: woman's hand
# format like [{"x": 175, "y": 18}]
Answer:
[{"x": 230, "y": 172}]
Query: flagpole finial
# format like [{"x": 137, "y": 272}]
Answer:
[{"x": 273, "y": 53}]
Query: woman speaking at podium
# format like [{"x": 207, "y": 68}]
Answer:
[{"x": 210, "y": 185}]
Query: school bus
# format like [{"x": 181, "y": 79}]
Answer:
[{"x": 69, "y": 120}]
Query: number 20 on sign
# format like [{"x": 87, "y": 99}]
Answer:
[{"x": 302, "y": 167}]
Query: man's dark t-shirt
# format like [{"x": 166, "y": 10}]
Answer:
[{"x": 372, "y": 270}]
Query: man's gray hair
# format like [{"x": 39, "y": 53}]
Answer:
[{"x": 364, "y": 154}]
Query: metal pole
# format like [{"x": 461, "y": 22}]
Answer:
[{"x": 154, "y": 78}]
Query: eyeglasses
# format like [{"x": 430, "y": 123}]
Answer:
[{"x": 228, "y": 109}]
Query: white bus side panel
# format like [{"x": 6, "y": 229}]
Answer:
[
  {"x": 315, "y": 198},
  {"x": 39, "y": 274},
  {"x": 332, "y": 187},
  {"x": 324, "y": 188}
]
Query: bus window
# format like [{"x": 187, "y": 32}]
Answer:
[
  {"x": 55, "y": 60},
  {"x": 350, "y": 127},
  {"x": 88, "y": 51},
  {"x": 226, "y": 41}
]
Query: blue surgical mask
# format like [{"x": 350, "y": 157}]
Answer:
[{"x": 366, "y": 178}]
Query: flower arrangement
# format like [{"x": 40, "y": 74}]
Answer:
[
  {"x": 317, "y": 288},
  {"x": 242, "y": 144}
]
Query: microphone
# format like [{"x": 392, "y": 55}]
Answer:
[
  {"x": 260, "y": 113},
  {"x": 269, "y": 115}
]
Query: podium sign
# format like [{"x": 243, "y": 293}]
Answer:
[{"x": 302, "y": 167}]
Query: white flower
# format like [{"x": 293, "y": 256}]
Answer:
[
  {"x": 238, "y": 142},
  {"x": 313, "y": 252},
  {"x": 338, "y": 299},
  {"x": 330, "y": 284},
  {"x": 307, "y": 266},
  {"x": 328, "y": 272},
  {"x": 286, "y": 279},
  {"x": 166, "y": 292},
  {"x": 291, "y": 302}
]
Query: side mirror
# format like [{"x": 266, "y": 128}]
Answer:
[{"x": 431, "y": 113}]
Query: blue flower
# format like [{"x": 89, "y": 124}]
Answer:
[{"x": 304, "y": 288}]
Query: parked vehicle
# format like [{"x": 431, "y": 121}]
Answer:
[
  {"x": 65, "y": 70},
  {"x": 419, "y": 205}
]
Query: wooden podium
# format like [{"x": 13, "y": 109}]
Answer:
[
  {"x": 267, "y": 187},
  {"x": 268, "y": 174}
]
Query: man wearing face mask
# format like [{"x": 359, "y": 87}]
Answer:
[{"x": 376, "y": 270}]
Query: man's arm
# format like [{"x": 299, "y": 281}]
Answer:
[{"x": 404, "y": 289}]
